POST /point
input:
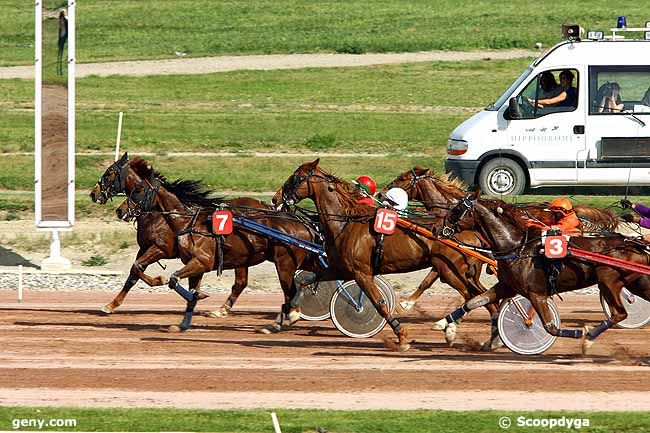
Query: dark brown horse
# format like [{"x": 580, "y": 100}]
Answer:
[
  {"x": 157, "y": 241},
  {"x": 185, "y": 208},
  {"x": 523, "y": 270},
  {"x": 350, "y": 241},
  {"x": 154, "y": 234},
  {"x": 439, "y": 193}
]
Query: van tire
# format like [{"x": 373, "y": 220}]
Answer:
[{"x": 502, "y": 176}]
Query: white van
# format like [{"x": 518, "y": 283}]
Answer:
[{"x": 597, "y": 134}]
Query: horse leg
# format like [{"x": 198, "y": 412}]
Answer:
[
  {"x": 540, "y": 304},
  {"x": 241, "y": 281},
  {"x": 612, "y": 294},
  {"x": 496, "y": 293},
  {"x": 428, "y": 281},
  {"x": 193, "y": 268},
  {"x": 289, "y": 309},
  {"x": 367, "y": 284},
  {"x": 143, "y": 259}
]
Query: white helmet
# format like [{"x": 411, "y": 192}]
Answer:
[{"x": 399, "y": 198}]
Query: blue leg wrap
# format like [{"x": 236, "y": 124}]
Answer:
[{"x": 604, "y": 326}]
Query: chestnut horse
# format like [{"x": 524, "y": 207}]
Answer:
[
  {"x": 185, "y": 209},
  {"x": 439, "y": 193},
  {"x": 350, "y": 241},
  {"x": 521, "y": 266}
]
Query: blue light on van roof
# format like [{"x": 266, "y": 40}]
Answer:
[{"x": 621, "y": 22}]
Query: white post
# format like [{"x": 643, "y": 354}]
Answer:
[
  {"x": 119, "y": 135},
  {"x": 55, "y": 262},
  {"x": 276, "y": 424},
  {"x": 20, "y": 283}
]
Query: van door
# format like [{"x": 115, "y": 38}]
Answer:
[
  {"x": 550, "y": 129},
  {"x": 618, "y": 126}
]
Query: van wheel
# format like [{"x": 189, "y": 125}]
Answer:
[{"x": 502, "y": 176}]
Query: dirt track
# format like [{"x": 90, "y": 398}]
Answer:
[{"x": 57, "y": 350}]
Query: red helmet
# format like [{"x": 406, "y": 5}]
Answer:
[{"x": 367, "y": 184}]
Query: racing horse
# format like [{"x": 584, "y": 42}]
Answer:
[
  {"x": 522, "y": 267},
  {"x": 185, "y": 209},
  {"x": 439, "y": 193},
  {"x": 156, "y": 240},
  {"x": 350, "y": 242}
]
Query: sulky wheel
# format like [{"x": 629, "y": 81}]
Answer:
[
  {"x": 638, "y": 310},
  {"x": 352, "y": 312},
  {"x": 315, "y": 304},
  {"x": 521, "y": 337}
]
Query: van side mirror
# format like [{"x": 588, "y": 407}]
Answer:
[{"x": 513, "y": 111}]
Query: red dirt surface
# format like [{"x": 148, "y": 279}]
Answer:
[{"x": 57, "y": 349}]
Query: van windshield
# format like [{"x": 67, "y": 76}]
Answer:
[{"x": 506, "y": 95}]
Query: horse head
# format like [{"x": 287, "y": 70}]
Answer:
[
  {"x": 141, "y": 200},
  {"x": 409, "y": 182},
  {"x": 112, "y": 182},
  {"x": 461, "y": 216},
  {"x": 296, "y": 187}
]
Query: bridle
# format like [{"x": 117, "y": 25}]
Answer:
[
  {"x": 110, "y": 188},
  {"x": 289, "y": 188},
  {"x": 142, "y": 197},
  {"x": 449, "y": 229}
]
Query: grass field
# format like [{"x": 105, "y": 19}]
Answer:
[
  {"x": 373, "y": 109},
  {"x": 116, "y": 31},
  {"x": 298, "y": 421}
]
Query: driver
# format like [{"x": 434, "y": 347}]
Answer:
[
  {"x": 566, "y": 219},
  {"x": 642, "y": 216},
  {"x": 398, "y": 199},
  {"x": 369, "y": 186}
]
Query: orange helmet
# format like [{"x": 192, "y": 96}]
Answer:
[
  {"x": 561, "y": 204},
  {"x": 367, "y": 184}
]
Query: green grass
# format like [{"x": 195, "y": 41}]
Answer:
[
  {"x": 142, "y": 29},
  {"x": 374, "y": 109},
  {"x": 95, "y": 261},
  {"x": 297, "y": 421},
  {"x": 222, "y": 174}
]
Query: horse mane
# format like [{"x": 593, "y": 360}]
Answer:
[
  {"x": 348, "y": 196},
  {"x": 449, "y": 186},
  {"x": 598, "y": 219},
  {"x": 190, "y": 192}
]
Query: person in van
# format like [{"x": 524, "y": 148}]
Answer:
[
  {"x": 549, "y": 88},
  {"x": 610, "y": 101},
  {"x": 567, "y": 96},
  {"x": 646, "y": 98}
]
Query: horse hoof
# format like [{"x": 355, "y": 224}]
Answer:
[
  {"x": 440, "y": 325},
  {"x": 406, "y": 305},
  {"x": 106, "y": 309},
  {"x": 174, "y": 329},
  {"x": 216, "y": 314},
  {"x": 293, "y": 317},
  {"x": 201, "y": 295},
  {"x": 450, "y": 334},
  {"x": 270, "y": 329},
  {"x": 586, "y": 342},
  {"x": 404, "y": 347}
]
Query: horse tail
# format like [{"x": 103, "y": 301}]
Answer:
[{"x": 599, "y": 219}]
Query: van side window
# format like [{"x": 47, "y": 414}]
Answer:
[
  {"x": 619, "y": 89},
  {"x": 550, "y": 92}
]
